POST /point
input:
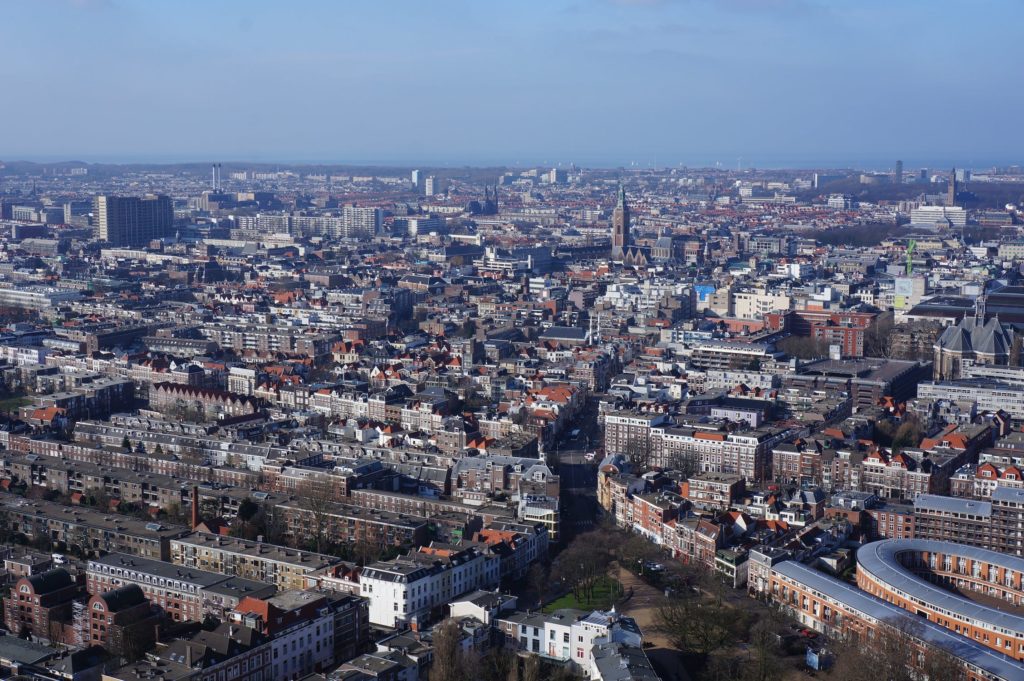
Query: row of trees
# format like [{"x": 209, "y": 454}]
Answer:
[
  {"x": 640, "y": 455},
  {"x": 895, "y": 655}
]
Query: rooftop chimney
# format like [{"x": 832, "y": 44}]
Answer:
[{"x": 195, "y": 506}]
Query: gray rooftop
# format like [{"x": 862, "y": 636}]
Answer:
[
  {"x": 941, "y": 504},
  {"x": 123, "y": 561},
  {"x": 998, "y": 665},
  {"x": 881, "y": 560}
]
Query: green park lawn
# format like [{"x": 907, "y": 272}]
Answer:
[
  {"x": 606, "y": 592},
  {"x": 12, "y": 403}
]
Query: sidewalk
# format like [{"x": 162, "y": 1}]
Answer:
[{"x": 643, "y": 608}]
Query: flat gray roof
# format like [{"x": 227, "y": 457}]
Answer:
[
  {"x": 986, "y": 659},
  {"x": 942, "y": 504},
  {"x": 881, "y": 560},
  {"x": 1008, "y": 494}
]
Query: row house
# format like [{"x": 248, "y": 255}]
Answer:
[
  {"x": 83, "y": 479},
  {"x": 347, "y": 523},
  {"x": 96, "y": 398},
  {"x": 651, "y": 514},
  {"x": 184, "y": 594},
  {"x": 713, "y": 490},
  {"x": 836, "y": 608},
  {"x": 744, "y": 453},
  {"x": 979, "y": 481},
  {"x": 283, "y": 567},
  {"x": 476, "y": 478},
  {"x": 518, "y": 546},
  {"x": 413, "y": 589},
  {"x": 696, "y": 541},
  {"x": 614, "y": 492},
  {"x": 120, "y": 620},
  {"x": 626, "y": 432},
  {"x": 212, "y": 404},
  {"x": 798, "y": 462},
  {"x": 228, "y": 652},
  {"x": 299, "y": 626},
  {"x": 41, "y": 604},
  {"x": 569, "y": 636},
  {"x": 899, "y": 475},
  {"x": 88, "y": 530},
  {"x": 338, "y": 404}
]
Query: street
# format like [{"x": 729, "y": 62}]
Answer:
[{"x": 579, "y": 476}]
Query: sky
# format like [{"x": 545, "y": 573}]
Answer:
[{"x": 765, "y": 83}]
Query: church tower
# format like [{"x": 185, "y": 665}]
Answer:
[{"x": 620, "y": 226}]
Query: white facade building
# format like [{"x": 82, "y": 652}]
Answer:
[{"x": 406, "y": 590}]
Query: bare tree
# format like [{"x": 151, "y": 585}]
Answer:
[
  {"x": 513, "y": 670},
  {"x": 696, "y": 624},
  {"x": 538, "y": 582},
  {"x": 638, "y": 453},
  {"x": 582, "y": 565},
  {"x": 684, "y": 462},
  {"x": 451, "y": 662},
  {"x": 878, "y": 337},
  {"x": 764, "y": 661},
  {"x": 56, "y": 633},
  {"x": 193, "y": 464},
  {"x": 531, "y": 668},
  {"x": 894, "y": 651},
  {"x": 316, "y": 495},
  {"x": 499, "y": 664},
  {"x": 445, "y": 665}
]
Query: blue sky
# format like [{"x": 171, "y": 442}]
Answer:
[{"x": 595, "y": 82}]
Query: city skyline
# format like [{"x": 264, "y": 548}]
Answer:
[{"x": 786, "y": 83}]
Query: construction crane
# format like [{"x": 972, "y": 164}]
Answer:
[{"x": 910, "y": 256}]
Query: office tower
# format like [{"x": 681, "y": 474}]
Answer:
[
  {"x": 951, "y": 189},
  {"x": 415, "y": 179},
  {"x": 899, "y": 172},
  {"x": 620, "y": 226},
  {"x": 924, "y": 175},
  {"x": 133, "y": 221}
]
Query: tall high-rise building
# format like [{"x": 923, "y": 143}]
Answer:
[
  {"x": 434, "y": 185},
  {"x": 415, "y": 177},
  {"x": 358, "y": 222},
  {"x": 951, "y": 189},
  {"x": 898, "y": 178},
  {"x": 133, "y": 220},
  {"x": 620, "y": 226}
]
